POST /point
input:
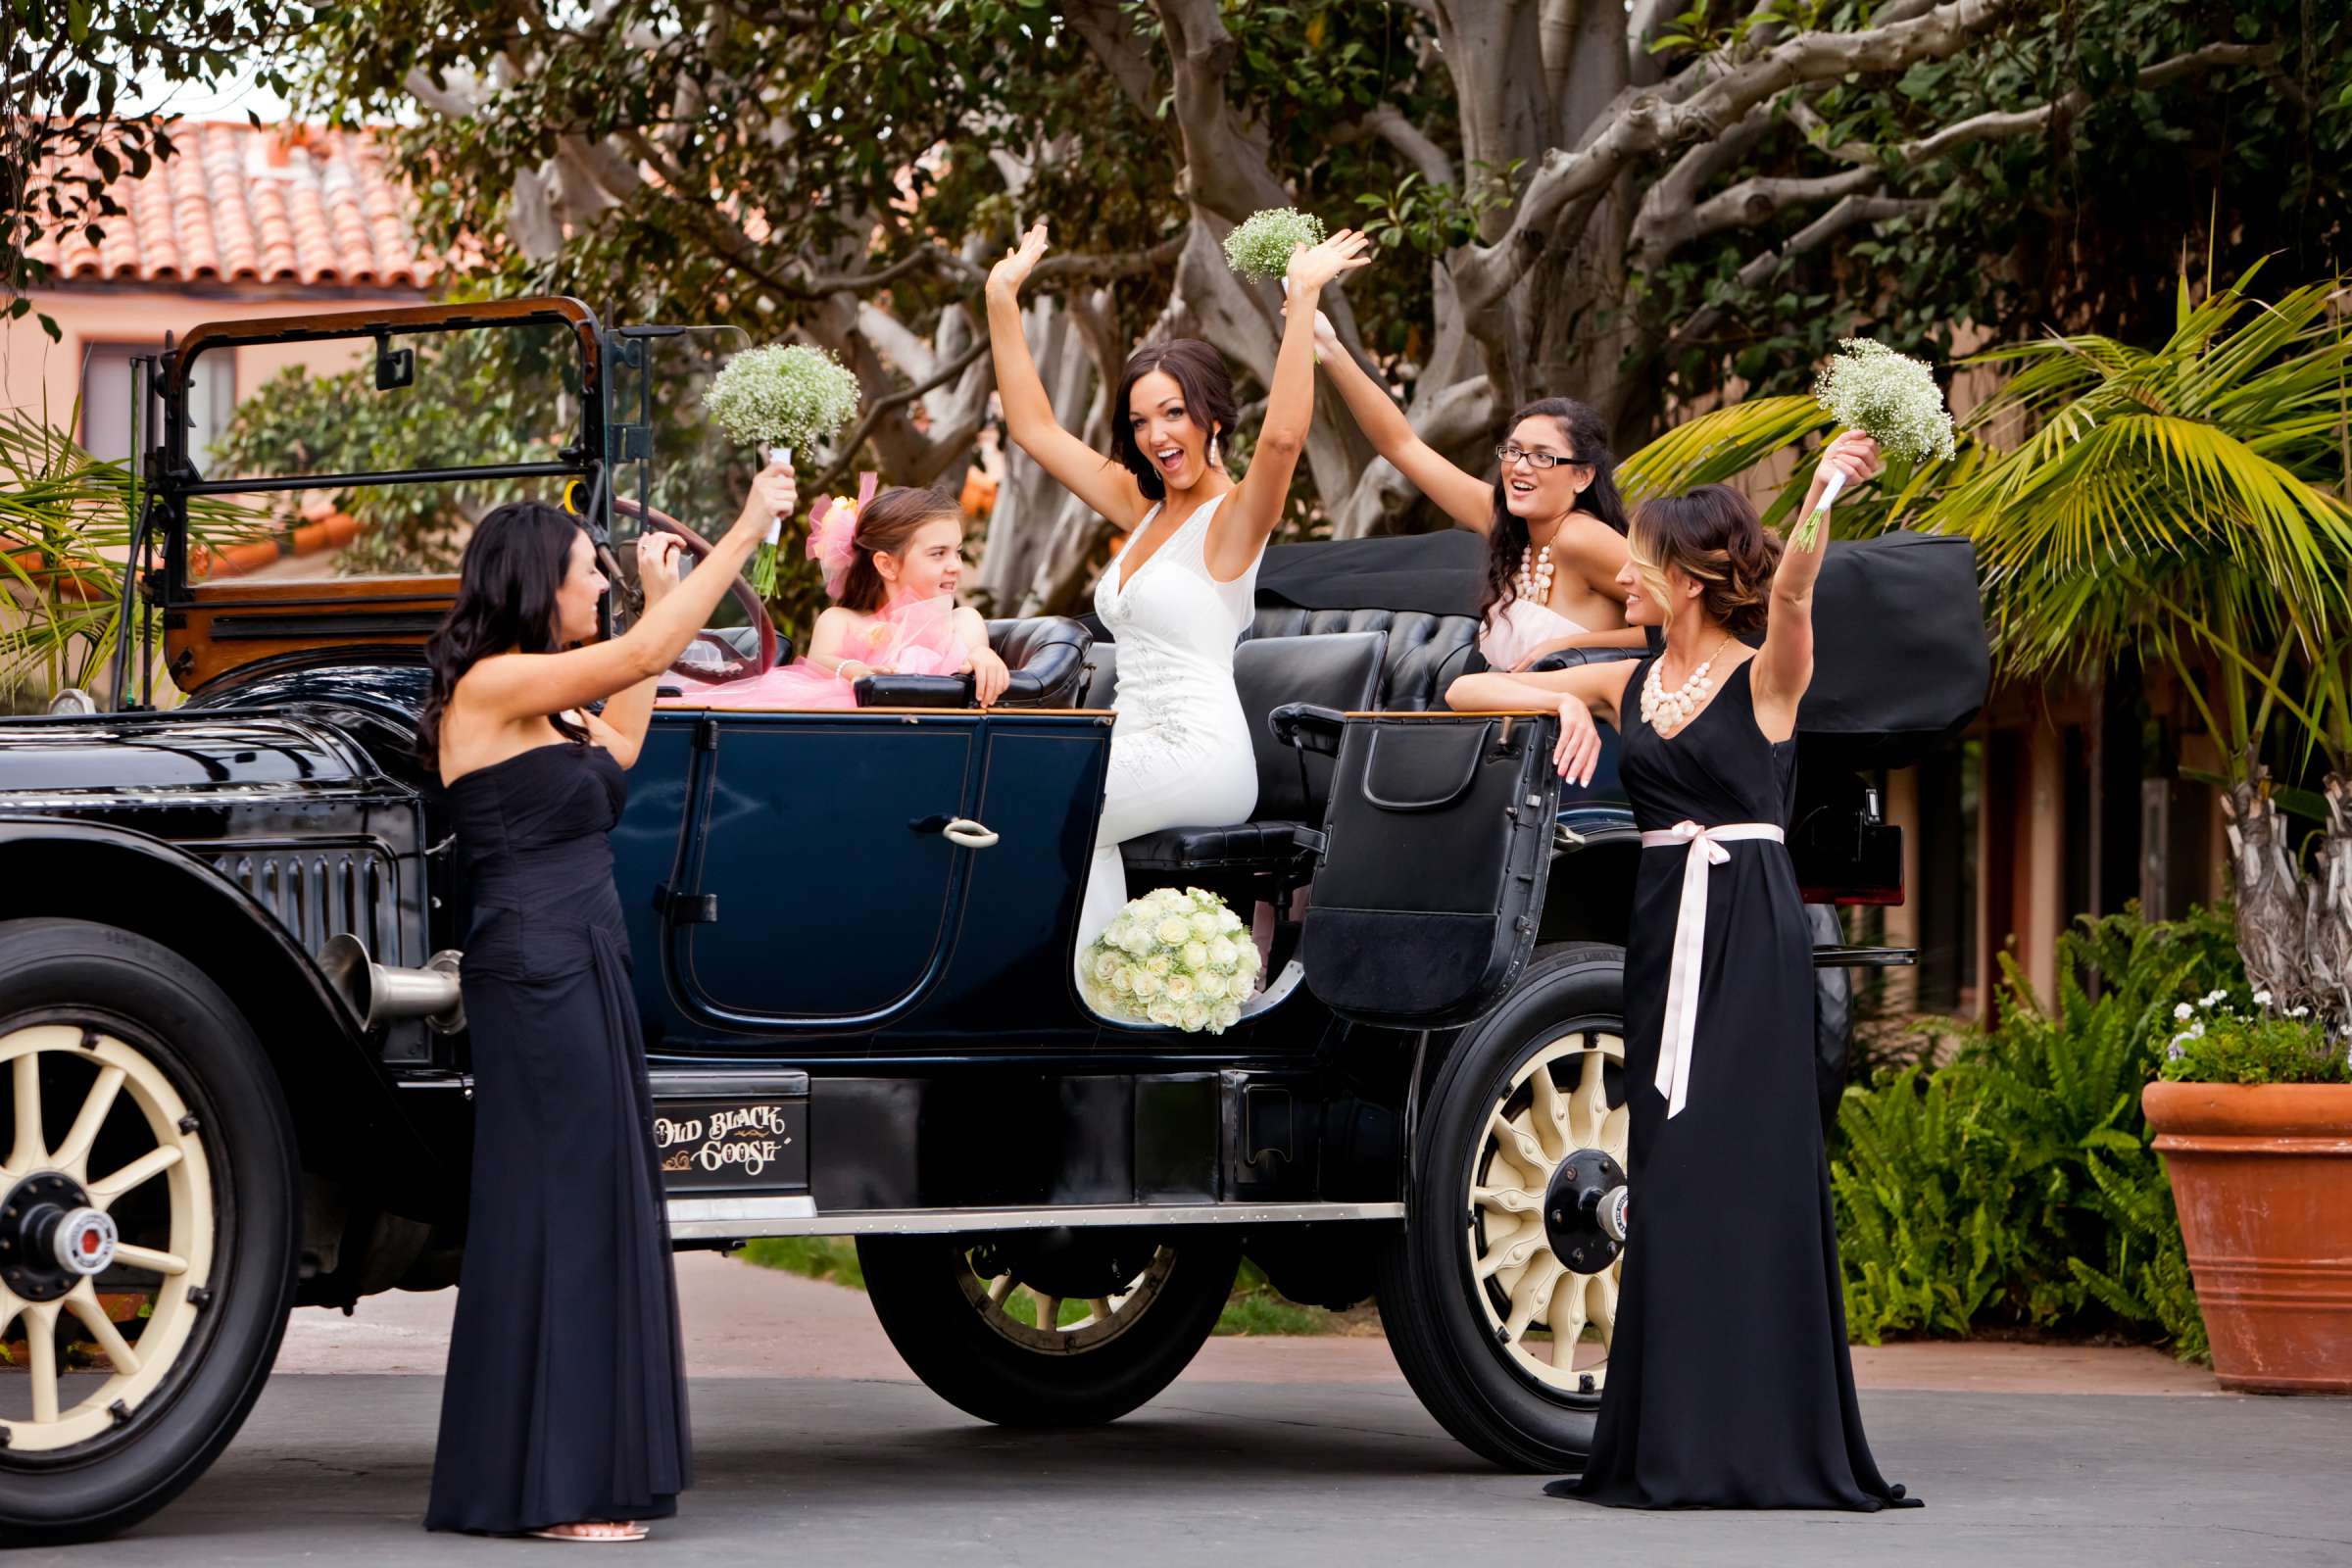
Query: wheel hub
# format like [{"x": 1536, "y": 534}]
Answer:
[
  {"x": 51, "y": 1237},
  {"x": 1068, "y": 1263},
  {"x": 1584, "y": 1211}
]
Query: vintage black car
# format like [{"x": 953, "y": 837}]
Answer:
[{"x": 236, "y": 1072}]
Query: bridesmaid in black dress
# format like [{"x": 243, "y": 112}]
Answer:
[
  {"x": 564, "y": 1412},
  {"x": 1730, "y": 1384}
]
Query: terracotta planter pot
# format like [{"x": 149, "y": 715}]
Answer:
[{"x": 2261, "y": 1175}]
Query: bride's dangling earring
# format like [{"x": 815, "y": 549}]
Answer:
[{"x": 1213, "y": 459}]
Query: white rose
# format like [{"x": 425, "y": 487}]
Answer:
[
  {"x": 1227, "y": 920},
  {"x": 1249, "y": 963},
  {"x": 1228, "y": 1015},
  {"x": 1172, "y": 932},
  {"x": 1147, "y": 984},
  {"x": 1223, "y": 953},
  {"x": 1137, "y": 942},
  {"x": 1179, "y": 988},
  {"x": 1205, "y": 925},
  {"x": 1167, "y": 1013},
  {"x": 1159, "y": 964},
  {"x": 1210, "y": 986},
  {"x": 1107, "y": 964},
  {"x": 1122, "y": 980},
  {"x": 1196, "y": 1017}
]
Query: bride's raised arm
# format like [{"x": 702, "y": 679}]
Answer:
[
  {"x": 1242, "y": 525},
  {"x": 1100, "y": 482}
]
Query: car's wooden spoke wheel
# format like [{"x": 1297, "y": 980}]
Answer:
[
  {"x": 1554, "y": 1318},
  {"x": 138, "y": 1226}
]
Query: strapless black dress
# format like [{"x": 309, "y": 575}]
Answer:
[
  {"x": 565, "y": 1397},
  {"x": 1728, "y": 1385}
]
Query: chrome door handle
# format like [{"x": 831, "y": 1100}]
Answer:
[{"x": 970, "y": 834}]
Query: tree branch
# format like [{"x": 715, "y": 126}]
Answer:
[
  {"x": 881, "y": 408},
  {"x": 1986, "y": 126},
  {"x": 1701, "y": 101},
  {"x": 1388, "y": 122},
  {"x": 1759, "y": 269},
  {"x": 1748, "y": 205}
]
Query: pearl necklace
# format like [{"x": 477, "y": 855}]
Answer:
[
  {"x": 1532, "y": 579},
  {"x": 1669, "y": 711}
]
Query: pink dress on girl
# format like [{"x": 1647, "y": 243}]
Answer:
[{"x": 906, "y": 637}]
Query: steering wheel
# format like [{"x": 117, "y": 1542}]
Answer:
[{"x": 710, "y": 656}]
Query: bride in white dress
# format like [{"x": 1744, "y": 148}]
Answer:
[
  {"x": 1554, "y": 528},
  {"x": 1179, "y": 597}
]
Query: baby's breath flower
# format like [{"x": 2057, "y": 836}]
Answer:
[
  {"x": 795, "y": 397},
  {"x": 1260, "y": 245},
  {"x": 1889, "y": 397}
]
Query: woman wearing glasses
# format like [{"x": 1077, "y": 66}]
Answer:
[{"x": 1554, "y": 528}]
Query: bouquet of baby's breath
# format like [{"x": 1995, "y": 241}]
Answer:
[
  {"x": 1181, "y": 960},
  {"x": 1887, "y": 396},
  {"x": 1260, "y": 245},
  {"x": 782, "y": 400}
]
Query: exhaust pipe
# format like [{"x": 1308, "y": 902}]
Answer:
[{"x": 379, "y": 993}]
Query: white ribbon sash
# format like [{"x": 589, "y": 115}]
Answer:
[{"x": 1706, "y": 851}]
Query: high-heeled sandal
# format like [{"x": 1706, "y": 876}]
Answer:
[{"x": 621, "y": 1530}]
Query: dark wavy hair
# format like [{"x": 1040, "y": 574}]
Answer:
[
  {"x": 1712, "y": 536},
  {"x": 1588, "y": 442},
  {"x": 1200, "y": 373},
  {"x": 516, "y": 560},
  {"x": 884, "y": 527}
]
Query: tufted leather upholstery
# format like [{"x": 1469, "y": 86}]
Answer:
[
  {"x": 1047, "y": 655},
  {"x": 1573, "y": 657},
  {"x": 1340, "y": 670},
  {"x": 1425, "y": 653}
]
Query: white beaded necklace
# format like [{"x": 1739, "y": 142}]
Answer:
[
  {"x": 1669, "y": 711},
  {"x": 1532, "y": 579}
]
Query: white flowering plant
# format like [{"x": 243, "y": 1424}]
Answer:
[
  {"x": 1177, "y": 958},
  {"x": 2267, "y": 1043},
  {"x": 1260, "y": 245},
  {"x": 1889, "y": 397},
  {"x": 783, "y": 399}
]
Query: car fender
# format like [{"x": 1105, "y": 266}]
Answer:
[{"x": 346, "y": 1112}]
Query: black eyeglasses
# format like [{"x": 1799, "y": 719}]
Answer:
[{"x": 1507, "y": 455}]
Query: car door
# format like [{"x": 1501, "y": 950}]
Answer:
[{"x": 849, "y": 872}]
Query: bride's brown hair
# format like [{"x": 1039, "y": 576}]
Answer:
[
  {"x": 1712, "y": 536},
  {"x": 889, "y": 521}
]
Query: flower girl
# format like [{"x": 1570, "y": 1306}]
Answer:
[{"x": 891, "y": 562}]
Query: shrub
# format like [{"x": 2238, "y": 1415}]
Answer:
[{"x": 2015, "y": 1185}]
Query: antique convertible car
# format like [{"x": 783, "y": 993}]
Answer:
[{"x": 236, "y": 1069}]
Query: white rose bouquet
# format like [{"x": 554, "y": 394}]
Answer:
[
  {"x": 1180, "y": 959},
  {"x": 1887, "y": 396},
  {"x": 781, "y": 400}
]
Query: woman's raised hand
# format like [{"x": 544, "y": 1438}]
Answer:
[
  {"x": 1008, "y": 275},
  {"x": 1313, "y": 266},
  {"x": 773, "y": 495},
  {"x": 1853, "y": 455}
]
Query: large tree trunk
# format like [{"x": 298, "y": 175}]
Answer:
[{"x": 2328, "y": 927}]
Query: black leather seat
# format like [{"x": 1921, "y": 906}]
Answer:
[
  {"x": 1424, "y": 653},
  {"x": 1046, "y": 653},
  {"x": 1340, "y": 670}
]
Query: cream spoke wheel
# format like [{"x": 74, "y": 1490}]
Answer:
[
  {"x": 1538, "y": 1307},
  {"x": 127, "y": 1116},
  {"x": 989, "y": 1286}
]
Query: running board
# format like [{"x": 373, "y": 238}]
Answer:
[{"x": 736, "y": 1220}]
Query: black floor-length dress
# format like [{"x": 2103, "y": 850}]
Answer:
[
  {"x": 1729, "y": 1383},
  {"x": 565, "y": 1398}
]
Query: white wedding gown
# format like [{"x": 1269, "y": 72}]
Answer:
[{"x": 1180, "y": 752}]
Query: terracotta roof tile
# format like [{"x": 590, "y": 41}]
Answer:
[{"x": 284, "y": 204}]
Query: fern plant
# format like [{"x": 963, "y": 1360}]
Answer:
[{"x": 2016, "y": 1186}]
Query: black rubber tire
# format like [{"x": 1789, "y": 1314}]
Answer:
[
  {"x": 77, "y": 971},
  {"x": 911, "y": 1282},
  {"x": 1427, "y": 1301}
]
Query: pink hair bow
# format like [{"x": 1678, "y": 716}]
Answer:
[{"x": 833, "y": 533}]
